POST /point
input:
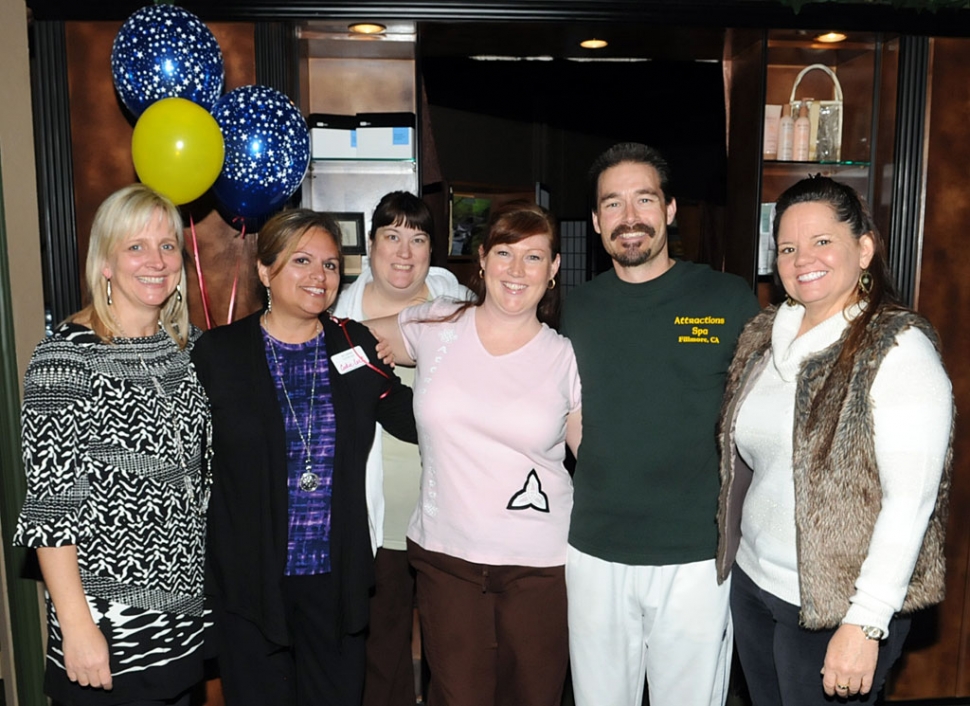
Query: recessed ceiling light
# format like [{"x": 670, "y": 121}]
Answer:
[
  {"x": 494, "y": 57},
  {"x": 367, "y": 28},
  {"x": 831, "y": 37},
  {"x": 593, "y": 43},
  {"x": 608, "y": 59}
]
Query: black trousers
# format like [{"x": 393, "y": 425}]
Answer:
[
  {"x": 782, "y": 661},
  {"x": 181, "y": 700},
  {"x": 315, "y": 670}
]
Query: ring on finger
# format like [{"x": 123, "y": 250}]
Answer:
[{"x": 842, "y": 687}]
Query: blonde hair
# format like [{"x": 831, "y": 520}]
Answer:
[{"x": 128, "y": 212}]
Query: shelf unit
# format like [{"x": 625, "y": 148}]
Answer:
[
  {"x": 763, "y": 66},
  {"x": 356, "y": 185},
  {"x": 346, "y": 74},
  {"x": 854, "y": 62}
]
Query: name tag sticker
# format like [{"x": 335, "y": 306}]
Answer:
[{"x": 350, "y": 360}]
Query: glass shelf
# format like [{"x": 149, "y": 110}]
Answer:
[
  {"x": 848, "y": 163},
  {"x": 361, "y": 167},
  {"x": 776, "y": 176},
  {"x": 363, "y": 160}
]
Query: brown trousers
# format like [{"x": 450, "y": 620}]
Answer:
[
  {"x": 492, "y": 635},
  {"x": 390, "y": 669}
]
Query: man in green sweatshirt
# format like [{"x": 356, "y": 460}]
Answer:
[{"x": 653, "y": 339}]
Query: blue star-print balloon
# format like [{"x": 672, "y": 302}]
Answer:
[
  {"x": 267, "y": 150},
  {"x": 163, "y": 51}
]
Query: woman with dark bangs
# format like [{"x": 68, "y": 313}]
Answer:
[
  {"x": 496, "y": 398},
  {"x": 396, "y": 274}
]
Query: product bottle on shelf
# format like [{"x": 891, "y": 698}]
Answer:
[
  {"x": 786, "y": 135},
  {"x": 772, "y": 118},
  {"x": 803, "y": 128}
]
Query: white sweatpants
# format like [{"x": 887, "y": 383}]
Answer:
[{"x": 671, "y": 624}]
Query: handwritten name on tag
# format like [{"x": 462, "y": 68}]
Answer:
[{"x": 350, "y": 360}]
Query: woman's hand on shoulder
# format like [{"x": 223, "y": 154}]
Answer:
[
  {"x": 383, "y": 349},
  {"x": 86, "y": 656},
  {"x": 390, "y": 340},
  {"x": 850, "y": 661}
]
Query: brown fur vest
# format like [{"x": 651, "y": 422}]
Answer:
[{"x": 837, "y": 490}]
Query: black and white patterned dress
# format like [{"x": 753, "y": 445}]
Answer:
[{"x": 106, "y": 472}]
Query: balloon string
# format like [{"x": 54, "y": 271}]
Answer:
[
  {"x": 198, "y": 272},
  {"x": 235, "y": 279}
]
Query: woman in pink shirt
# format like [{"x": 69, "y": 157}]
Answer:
[{"x": 497, "y": 398}]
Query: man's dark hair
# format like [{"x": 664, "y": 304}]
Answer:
[{"x": 628, "y": 152}]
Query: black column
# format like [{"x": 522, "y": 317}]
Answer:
[
  {"x": 906, "y": 214},
  {"x": 276, "y": 57},
  {"x": 55, "y": 174}
]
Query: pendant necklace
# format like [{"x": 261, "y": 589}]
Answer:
[{"x": 309, "y": 481}]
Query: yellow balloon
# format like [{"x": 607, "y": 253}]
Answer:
[{"x": 177, "y": 148}]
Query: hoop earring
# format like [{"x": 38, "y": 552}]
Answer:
[
  {"x": 552, "y": 283},
  {"x": 481, "y": 273},
  {"x": 865, "y": 284},
  {"x": 178, "y": 292},
  {"x": 269, "y": 301},
  {"x": 108, "y": 288}
]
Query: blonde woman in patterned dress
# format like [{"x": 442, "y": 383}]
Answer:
[{"x": 114, "y": 427}]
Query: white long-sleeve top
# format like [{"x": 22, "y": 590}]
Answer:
[{"x": 912, "y": 410}]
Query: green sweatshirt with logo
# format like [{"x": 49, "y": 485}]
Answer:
[{"x": 652, "y": 359}]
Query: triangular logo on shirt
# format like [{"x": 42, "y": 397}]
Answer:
[{"x": 531, "y": 495}]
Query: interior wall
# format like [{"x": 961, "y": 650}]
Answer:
[
  {"x": 384, "y": 86},
  {"x": 23, "y": 252},
  {"x": 937, "y": 661},
  {"x": 510, "y": 124},
  {"x": 101, "y": 132},
  {"x": 20, "y": 181},
  {"x": 468, "y": 143},
  {"x": 476, "y": 148}
]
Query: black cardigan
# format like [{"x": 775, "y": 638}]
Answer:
[{"x": 247, "y": 523}]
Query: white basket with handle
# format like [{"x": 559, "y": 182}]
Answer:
[{"x": 825, "y": 143}]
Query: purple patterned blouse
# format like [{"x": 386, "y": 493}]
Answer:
[{"x": 295, "y": 365}]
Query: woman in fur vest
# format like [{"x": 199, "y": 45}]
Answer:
[{"x": 836, "y": 437}]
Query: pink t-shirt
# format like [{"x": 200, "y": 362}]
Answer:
[{"x": 491, "y": 431}]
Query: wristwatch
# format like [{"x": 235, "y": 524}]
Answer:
[{"x": 873, "y": 633}]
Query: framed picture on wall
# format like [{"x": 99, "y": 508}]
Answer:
[
  {"x": 470, "y": 207},
  {"x": 352, "y": 236},
  {"x": 469, "y": 221}
]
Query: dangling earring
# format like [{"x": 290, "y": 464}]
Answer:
[
  {"x": 108, "y": 288},
  {"x": 865, "y": 284},
  {"x": 552, "y": 283},
  {"x": 269, "y": 301},
  {"x": 178, "y": 292},
  {"x": 789, "y": 301}
]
